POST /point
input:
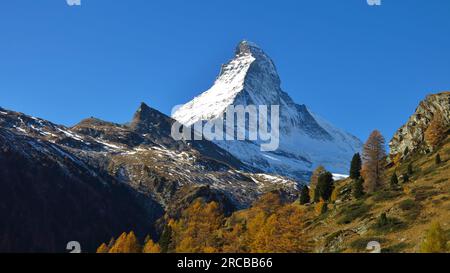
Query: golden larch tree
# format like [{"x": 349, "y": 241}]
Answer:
[
  {"x": 374, "y": 158},
  {"x": 314, "y": 180},
  {"x": 103, "y": 248},
  {"x": 282, "y": 232},
  {"x": 151, "y": 247},
  {"x": 435, "y": 132},
  {"x": 197, "y": 231},
  {"x": 126, "y": 243}
]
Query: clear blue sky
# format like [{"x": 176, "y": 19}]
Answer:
[{"x": 360, "y": 67}]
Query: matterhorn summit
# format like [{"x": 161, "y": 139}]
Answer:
[{"x": 305, "y": 140}]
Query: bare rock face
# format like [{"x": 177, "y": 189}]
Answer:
[{"x": 410, "y": 137}]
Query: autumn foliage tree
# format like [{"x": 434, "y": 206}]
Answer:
[
  {"x": 281, "y": 232},
  {"x": 270, "y": 225},
  {"x": 126, "y": 243},
  {"x": 235, "y": 234},
  {"x": 151, "y": 247},
  {"x": 435, "y": 132},
  {"x": 335, "y": 194},
  {"x": 314, "y": 180},
  {"x": 103, "y": 248},
  {"x": 268, "y": 203},
  {"x": 321, "y": 207},
  {"x": 255, "y": 219},
  {"x": 262, "y": 230},
  {"x": 198, "y": 229},
  {"x": 374, "y": 156}
]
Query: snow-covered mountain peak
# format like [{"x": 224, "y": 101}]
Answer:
[
  {"x": 262, "y": 63},
  {"x": 251, "y": 78},
  {"x": 249, "y": 48}
]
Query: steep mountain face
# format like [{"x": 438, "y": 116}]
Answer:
[
  {"x": 306, "y": 140},
  {"x": 49, "y": 197},
  {"x": 410, "y": 137},
  {"x": 97, "y": 179}
]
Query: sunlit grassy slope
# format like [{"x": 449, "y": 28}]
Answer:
[{"x": 350, "y": 224}]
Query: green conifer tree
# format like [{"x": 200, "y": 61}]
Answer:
[
  {"x": 383, "y": 220},
  {"x": 304, "y": 195},
  {"x": 355, "y": 167},
  {"x": 438, "y": 159},
  {"x": 405, "y": 178},
  {"x": 394, "y": 180},
  {"x": 324, "y": 187}
]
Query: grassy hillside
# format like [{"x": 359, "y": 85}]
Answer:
[
  {"x": 350, "y": 224},
  {"x": 396, "y": 217}
]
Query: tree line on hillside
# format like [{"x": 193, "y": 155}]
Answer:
[
  {"x": 268, "y": 226},
  {"x": 271, "y": 225}
]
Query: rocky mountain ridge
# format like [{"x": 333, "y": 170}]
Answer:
[{"x": 112, "y": 171}]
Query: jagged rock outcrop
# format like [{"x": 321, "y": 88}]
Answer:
[
  {"x": 147, "y": 120},
  {"x": 410, "y": 138}
]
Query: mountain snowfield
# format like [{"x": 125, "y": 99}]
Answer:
[{"x": 306, "y": 140}]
